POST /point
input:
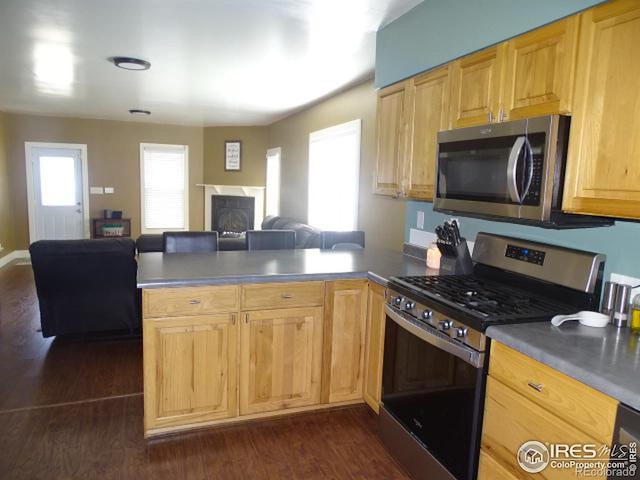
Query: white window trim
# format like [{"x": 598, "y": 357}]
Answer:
[
  {"x": 273, "y": 152},
  {"x": 143, "y": 229},
  {"x": 330, "y": 131}
]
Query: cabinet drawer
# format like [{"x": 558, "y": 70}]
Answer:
[
  {"x": 174, "y": 302},
  {"x": 582, "y": 406},
  {"x": 510, "y": 420},
  {"x": 282, "y": 295}
]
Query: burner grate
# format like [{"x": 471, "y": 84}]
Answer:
[{"x": 486, "y": 299}]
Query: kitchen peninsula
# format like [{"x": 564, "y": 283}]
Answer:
[{"x": 232, "y": 336}]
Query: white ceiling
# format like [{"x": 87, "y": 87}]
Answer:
[{"x": 214, "y": 62}]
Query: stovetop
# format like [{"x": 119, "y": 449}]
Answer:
[{"x": 486, "y": 300}]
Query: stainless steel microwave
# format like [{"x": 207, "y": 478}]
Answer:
[{"x": 511, "y": 171}]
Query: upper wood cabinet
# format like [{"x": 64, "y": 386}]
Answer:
[
  {"x": 374, "y": 345},
  {"x": 344, "y": 336},
  {"x": 280, "y": 359},
  {"x": 540, "y": 71},
  {"x": 390, "y": 140},
  {"x": 603, "y": 174},
  {"x": 428, "y": 113},
  {"x": 476, "y": 87},
  {"x": 189, "y": 370}
]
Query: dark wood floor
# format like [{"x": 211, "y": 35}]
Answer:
[{"x": 72, "y": 409}]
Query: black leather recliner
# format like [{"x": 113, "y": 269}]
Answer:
[{"x": 86, "y": 285}]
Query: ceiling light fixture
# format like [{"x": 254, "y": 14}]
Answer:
[
  {"x": 136, "y": 111},
  {"x": 130, "y": 63}
]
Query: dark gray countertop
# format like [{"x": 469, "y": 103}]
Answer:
[
  {"x": 182, "y": 269},
  {"x": 606, "y": 359}
]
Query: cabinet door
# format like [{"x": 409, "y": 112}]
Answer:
[
  {"x": 344, "y": 339},
  {"x": 374, "y": 345},
  {"x": 603, "y": 177},
  {"x": 189, "y": 370},
  {"x": 540, "y": 71},
  {"x": 429, "y": 114},
  {"x": 280, "y": 359},
  {"x": 391, "y": 140},
  {"x": 477, "y": 80}
]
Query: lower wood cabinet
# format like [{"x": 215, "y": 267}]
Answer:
[
  {"x": 525, "y": 401},
  {"x": 205, "y": 365},
  {"x": 374, "y": 346},
  {"x": 280, "y": 359},
  {"x": 189, "y": 369},
  {"x": 344, "y": 340}
]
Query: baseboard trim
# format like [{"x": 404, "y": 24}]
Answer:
[{"x": 15, "y": 255}]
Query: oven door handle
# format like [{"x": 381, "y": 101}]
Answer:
[{"x": 436, "y": 338}]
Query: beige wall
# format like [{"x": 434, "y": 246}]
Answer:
[
  {"x": 252, "y": 163},
  {"x": 113, "y": 161},
  {"x": 381, "y": 218},
  {"x": 6, "y": 223}
]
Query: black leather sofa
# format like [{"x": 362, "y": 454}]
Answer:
[
  {"x": 306, "y": 236},
  {"x": 86, "y": 285}
]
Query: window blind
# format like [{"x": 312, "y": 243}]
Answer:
[
  {"x": 164, "y": 187},
  {"x": 334, "y": 169}
]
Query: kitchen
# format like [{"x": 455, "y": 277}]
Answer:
[{"x": 533, "y": 381}]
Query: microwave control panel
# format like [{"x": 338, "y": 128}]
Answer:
[{"x": 523, "y": 254}]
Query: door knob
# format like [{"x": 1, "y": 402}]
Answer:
[{"x": 79, "y": 211}]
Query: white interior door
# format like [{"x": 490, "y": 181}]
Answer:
[{"x": 57, "y": 196}]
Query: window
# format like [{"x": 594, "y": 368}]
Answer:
[
  {"x": 57, "y": 181},
  {"x": 164, "y": 187},
  {"x": 334, "y": 165},
  {"x": 273, "y": 181}
]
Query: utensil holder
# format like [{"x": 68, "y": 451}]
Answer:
[{"x": 458, "y": 265}]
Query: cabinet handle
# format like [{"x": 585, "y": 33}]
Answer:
[
  {"x": 287, "y": 295},
  {"x": 490, "y": 116},
  {"x": 246, "y": 318},
  {"x": 194, "y": 302},
  {"x": 233, "y": 319},
  {"x": 536, "y": 386},
  {"x": 503, "y": 115}
]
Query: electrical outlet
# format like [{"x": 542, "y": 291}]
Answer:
[
  {"x": 109, "y": 190},
  {"x": 96, "y": 190},
  {"x": 627, "y": 280},
  {"x": 420, "y": 220}
]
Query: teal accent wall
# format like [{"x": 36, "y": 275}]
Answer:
[
  {"x": 620, "y": 243},
  {"x": 438, "y": 31}
]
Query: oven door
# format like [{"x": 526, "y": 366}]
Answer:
[
  {"x": 503, "y": 170},
  {"x": 433, "y": 388}
]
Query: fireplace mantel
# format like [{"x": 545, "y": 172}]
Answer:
[{"x": 234, "y": 190}]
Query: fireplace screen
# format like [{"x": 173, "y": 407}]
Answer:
[{"x": 232, "y": 214}]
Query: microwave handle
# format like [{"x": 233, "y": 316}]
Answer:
[{"x": 512, "y": 165}]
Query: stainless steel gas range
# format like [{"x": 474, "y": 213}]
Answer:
[{"x": 436, "y": 351}]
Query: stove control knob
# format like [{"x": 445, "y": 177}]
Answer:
[
  {"x": 397, "y": 301},
  {"x": 427, "y": 314},
  {"x": 461, "y": 332},
  {"x": 445, "y": 324},
  {"x": 409, "y": 306}
]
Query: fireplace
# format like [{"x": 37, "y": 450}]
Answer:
[
  {"x": 232, "y": 214},
  {"x": 256, "y": 194}
]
